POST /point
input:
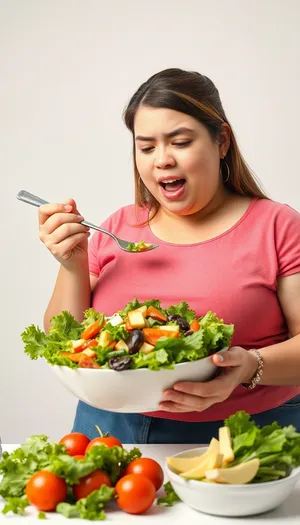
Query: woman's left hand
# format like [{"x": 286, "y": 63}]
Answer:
[{"x": 238, "y": 366}]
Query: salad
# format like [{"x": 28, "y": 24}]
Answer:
[
  {"x": 244, "y": 453},
  {"x": 142, "y": 335},
  {"x": 76, "y": 477},
  {"x": 138, "y": 246}
]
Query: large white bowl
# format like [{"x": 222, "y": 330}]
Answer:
[
  {"x": 231, "y": 500},
  {"x": 130, "y": 390}
]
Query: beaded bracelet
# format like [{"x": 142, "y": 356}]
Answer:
[{"x": 257, "y": 377}]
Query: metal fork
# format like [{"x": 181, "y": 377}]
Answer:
[{"x": 29, "y": 198}]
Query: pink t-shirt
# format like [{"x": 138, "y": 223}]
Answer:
[{"x": 233, "y": 274}]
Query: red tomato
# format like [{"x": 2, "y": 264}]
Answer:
[
  {"x": 135, "y": 493},
  {"x": 148, "y": 468},
  {"x": 75, "y": 443},
  {"x": 44, "y": 490},
  {"x": 109, "y": 441},
  {"x": 79, "y": 456},
  {"x": 92, "y": 481}
]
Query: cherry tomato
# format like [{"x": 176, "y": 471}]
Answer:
[
  {"x": 109, "y": 441},
  {"x": 104, "y": 439},
  {"x": 148, "y": 468},
  {"x": 79, "y": 456},
  {"x": 92, "y": 481},
  {"x": 135, "y": 493},
  {"x": 75, "y": 443},
  {"x": 44, "y": 490}
]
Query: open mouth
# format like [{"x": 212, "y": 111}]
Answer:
[{"x": 172, "y": 185}]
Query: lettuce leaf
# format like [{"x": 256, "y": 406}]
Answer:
[
  {"x": 64, "y": 327},
  {"x": 89, "y": 508},
  {"x": 276, "y": 447},
  {"x": 133, "y": 305},
  {"x": 90, "y": 316},
  {"x": 183, "y": 310},
  {"x": 16, "y": 505},
  {"x": 217, "y": 334},
  {"x": 170, "y": 496},
  {"x": 154, "y": 361},
  {"x": 18, "y": 467},
  {"x": 118, "y": 332},
  {"x": 35, "y": 341}
]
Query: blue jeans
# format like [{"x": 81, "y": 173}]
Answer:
[{"x": 137, "y": 428}]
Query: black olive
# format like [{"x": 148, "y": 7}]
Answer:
[
  {"x": 119, "y": 363},
  {"x": 182, "y": 323},
  {"x": 189, "y": 332},
  {"x": 135, "y": 341},
  {"x": 174, "y": 317}
]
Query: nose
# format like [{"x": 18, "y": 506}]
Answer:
[{"x": 164, "y": 159}]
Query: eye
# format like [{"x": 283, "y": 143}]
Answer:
[
  {"x": 147, "y": 150},
  {"x": 182, "y": 144}
]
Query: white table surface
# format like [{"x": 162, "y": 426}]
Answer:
[{"x": 287, "y": 514}]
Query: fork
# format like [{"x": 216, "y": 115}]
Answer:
[{"x": 29, "y": 198}]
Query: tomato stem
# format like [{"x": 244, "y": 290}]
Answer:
[{"x": 99, "y": 430}]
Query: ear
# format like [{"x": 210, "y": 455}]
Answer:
[{"x": 224, "y": 140}]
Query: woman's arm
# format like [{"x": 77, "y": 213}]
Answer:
[
  {"x": 282, "y": 361},
  {"x": 72, "y": 292}
]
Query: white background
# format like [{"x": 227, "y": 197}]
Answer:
[{"x": 67, "y": 69}]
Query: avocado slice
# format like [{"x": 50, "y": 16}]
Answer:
[
  {"x": 238, "y": 475},
  {"x": 226, "y": 445},
  {"x": 212, "y": 461},
  {"x": 105, "y": 338},
  {"x": 186, "y": 464}
]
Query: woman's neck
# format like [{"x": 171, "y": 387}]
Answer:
[{"x": 217, "y": 217}]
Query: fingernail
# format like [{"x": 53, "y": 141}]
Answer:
[
  {"x": 220, "y": 358},
  {"x": 177, "y": 387},
  {"x": 87, "y": 228},
  {"x": 68, "y": 207}
]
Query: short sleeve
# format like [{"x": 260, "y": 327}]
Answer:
[
  {"x": 287, "y": 237},
  {"x": 98, "y": 241}
]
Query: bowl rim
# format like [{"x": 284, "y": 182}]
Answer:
[
  {"x": 141, "y": 370},
  {"x": 194, "y": 483}
]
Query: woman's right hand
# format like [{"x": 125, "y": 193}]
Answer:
[{"x": 61, "y": 232}]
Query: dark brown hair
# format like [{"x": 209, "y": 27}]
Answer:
[{"x": 196, "y": 95}]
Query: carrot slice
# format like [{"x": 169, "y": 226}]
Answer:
[
  {"x": 195, "y": 325},
  {"x": 151, "y": 335},
  {"x": 91, "y": 330},
  {"x": 155, "y": 314}
]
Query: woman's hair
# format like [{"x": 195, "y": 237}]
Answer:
[{"x": 196, "y": 95}]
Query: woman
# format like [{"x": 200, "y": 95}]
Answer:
[{"x": 223, "y": 246}]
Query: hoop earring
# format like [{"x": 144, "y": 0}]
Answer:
[{"x": 226, "y": 179}]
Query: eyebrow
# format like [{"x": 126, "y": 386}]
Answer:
[{"x": 172, "y": 134}]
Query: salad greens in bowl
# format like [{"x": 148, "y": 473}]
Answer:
[
  {"x": 109, "y": 362},
  {"x": 248, "y": 470}
]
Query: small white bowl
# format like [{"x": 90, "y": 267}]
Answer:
[
  {"x": 231, "y": 500},
  {"x": 130, "y": 391}
]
